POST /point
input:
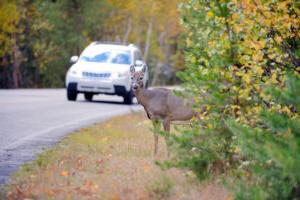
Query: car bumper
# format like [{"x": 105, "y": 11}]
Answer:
[
  {"x": 117, "y": 86},
  {"x": 95, "y": 86}
]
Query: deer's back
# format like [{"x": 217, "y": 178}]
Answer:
[
  {"x": 156, "y": 106},
  {"x": 165, "y": 104},
  {"x": 179, "y": 109}
]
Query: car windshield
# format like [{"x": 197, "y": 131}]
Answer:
[{"x": 107, "y": 56}]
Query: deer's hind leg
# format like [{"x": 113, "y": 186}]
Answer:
[
  {"x": 166, "y": 125},
  {"x": 156, "y": 126}
]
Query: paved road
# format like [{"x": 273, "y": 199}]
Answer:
[{"x": 34, "y": 119}]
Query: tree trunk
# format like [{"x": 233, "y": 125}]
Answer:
[
  {"x": 160, "y": 63},
  {"x": 156, "y": 73},
  {"x": 16, "y": 78},
  {"x": 128, "y": 30},
  {"x": 78, "y": 25},
  {"x": 148, "y": 39}
]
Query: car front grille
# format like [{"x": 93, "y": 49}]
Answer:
[{"x": 96, "y": 75}]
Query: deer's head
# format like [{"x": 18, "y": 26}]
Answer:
[{"x": 137, "y": 78}]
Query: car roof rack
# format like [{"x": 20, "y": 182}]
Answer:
[
  {"x": 109, "y": 42},
  {"x": 113, "y": 43}
]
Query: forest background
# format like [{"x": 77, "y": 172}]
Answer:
[{"x": 37, "y": 38}]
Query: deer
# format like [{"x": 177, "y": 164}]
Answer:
[{"x": 160, "y": 105}]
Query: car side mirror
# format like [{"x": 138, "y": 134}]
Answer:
[
  {"x": 139, "y": 63},
  {"x": 73, "y": 59}
]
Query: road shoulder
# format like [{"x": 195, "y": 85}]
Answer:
[{"x": 110, "y": 160}]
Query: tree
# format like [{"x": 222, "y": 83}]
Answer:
[
  {"x": 9, "y": 51},
  {"x": 271, "y": 170},
  {"x": 235, "y": 50},
  {"x": 152, "y": 25},
  {"x": 40, "y": 36}
]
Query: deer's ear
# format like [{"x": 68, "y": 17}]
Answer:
[
  {"x": 132, "y": 69},
  {"x": 144, "y": 69}
]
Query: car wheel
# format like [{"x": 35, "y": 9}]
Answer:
[
  {"x": 128, "y": 98},
  {"x": 88, "y": 96},
  {"x": 71, "y": 95}
]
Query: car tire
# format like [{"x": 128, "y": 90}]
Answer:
[
  {"x": 71, "y": 95},
  {"x": 88, "y": 96},
  {"x": 128, "y": 98}
]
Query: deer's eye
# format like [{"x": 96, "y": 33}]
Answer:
[
  {"x": 131, "y": 78},
  {"x": 141, "y": 78}
]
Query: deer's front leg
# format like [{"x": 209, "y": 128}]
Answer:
[
  {"x": 156, "y": 127},
  {"x": 166, "y": 125}
]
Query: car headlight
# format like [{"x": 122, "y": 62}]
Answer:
[{"x": 72, "y": 72}]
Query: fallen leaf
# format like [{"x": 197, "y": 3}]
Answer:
[
  {"x": 65, "y": 173},
  {"x": 147, "y": 168},
  {"x": 115, "y": 197},
  {"x": 99, "y": 162},
  {"x": 109, "y": 155},
  {"x": 104, "y": 139}
]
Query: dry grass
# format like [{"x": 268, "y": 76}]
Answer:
[{"x": 111, "y": 160}]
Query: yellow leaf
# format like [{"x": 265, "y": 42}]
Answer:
[
  {"x": 257, "y": 109},
  {"x": 274, "y": 78},
  {"x": 236, "y": 150},
  {"x": 272, "y": 56},
  {"x": 258, "y": 70},
  {"x": 239, "y": 73},
  {"x": 210, "y": 126},
  {"x": 235, "y": 17},
  {"x": 244, "y": 93},
  {"x": 257, "y": 88},
  {"x": 286, "y": 110},
  {"x": 268, "y": 22},
  {"x": 193, "y": 60},
  {"x": 278, "y": 39},
  {"x": 257, "y": 57},
  {"x": 247, "y": 78},
  {"x": 210, "y": 14},
  {"x": 188, "y": 42},
  {"x": 261, "y": 44}
]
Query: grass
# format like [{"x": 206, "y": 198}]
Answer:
[
  {"x": 111, "y": 160},
  {"x": 161, "y": 188}
]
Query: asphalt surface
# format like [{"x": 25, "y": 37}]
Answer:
[{"x": 34, "y": 119}]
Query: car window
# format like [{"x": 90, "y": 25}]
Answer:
[
  {"x": 102, "y": 57},
  {"x": 111, "y": 56},
  {"x": 121, "y": 58}
]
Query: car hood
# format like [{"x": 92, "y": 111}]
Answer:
[{"x": 99, "y": 67}]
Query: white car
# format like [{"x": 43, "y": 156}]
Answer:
[{"x": 104, "y": 69}]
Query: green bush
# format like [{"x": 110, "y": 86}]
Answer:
[
  {"x": 243, "y": 72},
  {"x": 272, "y": 150}
]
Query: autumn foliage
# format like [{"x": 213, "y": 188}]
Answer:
[
  {"x": 37, "y": 38},
  {"x": 243, "y": 69}
]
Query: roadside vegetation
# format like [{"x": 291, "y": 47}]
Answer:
[
  {"x": 111, "y": 160},
  {"x": 243, "y": 65}
]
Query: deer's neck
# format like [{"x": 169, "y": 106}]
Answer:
[{"x": 142, "y": 96}]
